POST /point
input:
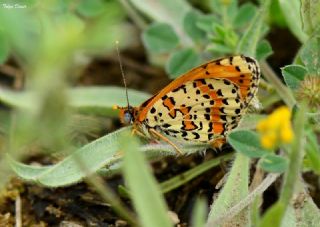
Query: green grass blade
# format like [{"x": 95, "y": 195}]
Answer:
[{"x": 145, "y": 192}]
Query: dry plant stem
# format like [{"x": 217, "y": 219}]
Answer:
[
  {"x": 282, "y": 90},
  {"x": 18, "y": 211},
  {"x": 257, "y": 178},
  {"x": 233, "y": 211},
  {"x": 106, "y": 193},
  {"x": 134, "y": 15}
]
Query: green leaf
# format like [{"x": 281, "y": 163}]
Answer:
[
  {"x": 293, "y": 75},
  {"x": 310, "y": 15},
  {"x": 219, "y": 48},
  {"x": 205, "y": 22},
  {"x": 226, "y": 9},
  {"x": 291, "y": 12},
  {"x": 160, "y": 38},
  {"x": 264, "y": 50},
  {"x": 145, "y": 192},
  {"x": 274, "y": 163},
  {"x": 244, "y": 15},
  {"x": 166, "y": 11},
  {"x": 98, "y": 100},
  {"x": 250, "y": 121},
  {"x": 199, "y": 213},
  {"x": 4, "y": 48},
  {"x": 234, "y": 190},
  {"x": 273, "y": 216},
  {"x": 181, "y": 61},
  {"x": 94, "y": 156},
  {"x": 190, "y": 25},
  {"x": 246, "y": 142},
  {"x": 310, "y": 55},
  {"x": 90, "y": 8}
]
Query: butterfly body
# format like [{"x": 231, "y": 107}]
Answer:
[{"x": 201, "y": 106}]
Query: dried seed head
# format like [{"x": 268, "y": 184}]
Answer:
[{"x": 309, "y": 92}]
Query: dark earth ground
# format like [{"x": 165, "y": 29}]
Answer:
[{"x": 79, "y": 205}]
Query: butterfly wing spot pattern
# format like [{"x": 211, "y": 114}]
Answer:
[{"x": 201, "y": 106}]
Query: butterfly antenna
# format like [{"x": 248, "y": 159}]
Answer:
[{"x": 122, "y": 73}]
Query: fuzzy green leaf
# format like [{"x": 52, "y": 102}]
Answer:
[
  {"x": 234, "y": 190},
  {"x": 264, "y": 50},
  {"x": 274, "y": 163},
  {"x": 94, "y": 156},
  {"x": 293, "y": 75},
  {"x": 166, "y": 11},
  {"x": 244, "y": 15},
  {"x": 181, "y": 61},
  {"x": 160, "y": 38},
  {"x": 190, "y": 25},
  {"x": 247, "y": 142},
  {"x": 90, "y": 8},
  {"x": 310, "y": 55},
  {"x": 310, "y": 15}
]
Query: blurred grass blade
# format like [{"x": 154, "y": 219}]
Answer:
[
  {"x": 101, "y": 99},
  {"x": 199, "y": 213},
  {"x": 92, "y": 100},
  {"x": 291, "y": 12},
  {"x": 234, "y": 190},
  {"x": 146, "y": 195},
  {"x": 94, "y": 155}
]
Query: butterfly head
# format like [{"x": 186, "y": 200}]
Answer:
[{"x": 127, "y": 114}]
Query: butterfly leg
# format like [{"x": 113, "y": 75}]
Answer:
[
  {"x": 162, "y": 137},
  {"x": 136, "y": 131}
]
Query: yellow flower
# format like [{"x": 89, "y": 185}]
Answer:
[{"x": 276, "y": 128}]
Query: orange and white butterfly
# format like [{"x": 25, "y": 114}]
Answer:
[{"x": 200, "y": 107}]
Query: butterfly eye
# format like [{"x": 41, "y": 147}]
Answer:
[{"x": 127, "y": 118}]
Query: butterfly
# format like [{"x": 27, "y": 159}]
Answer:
[{"x": 201, "y": 106}]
